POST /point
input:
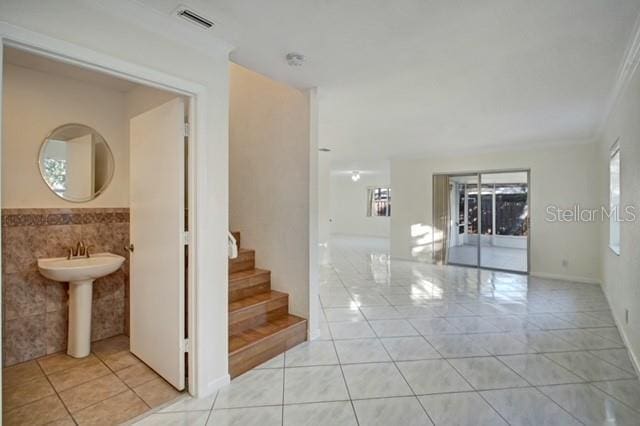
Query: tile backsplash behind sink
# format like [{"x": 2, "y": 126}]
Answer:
[{"x": 35, "y": 308}]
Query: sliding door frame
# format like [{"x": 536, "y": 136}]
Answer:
[{"x": 479, "y": 174}]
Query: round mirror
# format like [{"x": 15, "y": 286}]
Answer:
[{"x": 76, "y": 162}]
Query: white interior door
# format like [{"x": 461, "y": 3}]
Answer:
[{"x": 157, "y": 223}]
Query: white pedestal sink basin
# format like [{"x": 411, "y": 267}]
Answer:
[{"x": 80, "y": 272}]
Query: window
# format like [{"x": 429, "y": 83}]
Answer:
[
  {"x": 614, "y": 198},
  {"x": 379, "y": 202}
]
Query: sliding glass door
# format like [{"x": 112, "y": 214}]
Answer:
[
  {"x": 482, "y": 220},
  {"x": 463, "y": 237},
  {"x": 504, "y": 238}
]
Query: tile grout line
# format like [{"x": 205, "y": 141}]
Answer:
[
  {"x": 284, "y": 378},
  {"x": 344, "y": 379},
  {"x": 114, "y": 372},
  {"x": 57, "y": 394},
  {"x": 415, "y": 396},
  {"x": 534, "y": 386}
]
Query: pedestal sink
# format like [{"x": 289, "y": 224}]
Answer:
[{"x": 80, "y": 273}]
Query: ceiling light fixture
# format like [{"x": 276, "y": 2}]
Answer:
[
  {"x": 355, "y": 175},
  {"x": 295, "y": 59}
]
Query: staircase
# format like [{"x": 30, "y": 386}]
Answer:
[{"x": 260, "y": 326}]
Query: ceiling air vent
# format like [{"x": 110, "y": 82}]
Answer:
[{"x": 194, "y": 18}]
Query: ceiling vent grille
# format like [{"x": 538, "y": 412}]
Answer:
[{"x": 194, "y": 18}]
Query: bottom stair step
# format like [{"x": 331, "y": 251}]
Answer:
[{"x": 252, "y": 347}]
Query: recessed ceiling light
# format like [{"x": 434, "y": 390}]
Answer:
[
  {"x": 295, "y": 59},
  {"x": 355, "y": 175}
]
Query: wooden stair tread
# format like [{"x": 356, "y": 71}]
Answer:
[
  {"x": 260, "y": 326},
  {"x": 253, "y": 336},
  {"x": 241, "y": 275},
  {"x": 258, "y": 299}
]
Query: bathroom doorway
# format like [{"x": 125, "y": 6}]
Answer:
[
  {"x": 482, "y": 219},
  {"x": 127, "y": 144}
]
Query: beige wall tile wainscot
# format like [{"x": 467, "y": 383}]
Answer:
[{"x": 35, "y": 308}]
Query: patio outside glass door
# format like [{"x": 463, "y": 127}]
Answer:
[
  {"x": 504, "y": 224},
  {"x": 482, "y": 220}
]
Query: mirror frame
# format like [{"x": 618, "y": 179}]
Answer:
[{"x": 42, "y": 174}]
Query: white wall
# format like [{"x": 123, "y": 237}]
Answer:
[
  {"x": 560, "y": 175},
  {"x": 324, "y": 205},
  {"x": 35, "y": 103},
  {"x": 269, "y": 144},
  {"x": 621, "y": 272},
  {"x": 349, "y": 204},
  {"x": 95, "y": 29}
]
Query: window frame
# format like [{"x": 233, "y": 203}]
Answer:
[{"x": 372, "y": 191}]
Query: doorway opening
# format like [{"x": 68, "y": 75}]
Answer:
[
  {"x": 127, "y": 195},
  {"x": 482, "y": 219}
]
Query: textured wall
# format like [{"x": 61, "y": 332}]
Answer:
[
  {"x": 561, "y": 175},
  {"x": 35, "y": 308},
  {"x": 269, "y": 143},
  {"x": 621, "y": 272}
]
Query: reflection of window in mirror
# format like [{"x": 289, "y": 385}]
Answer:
[
  {"x": 76, "y": 162},
  {"x": 55, "y": 165}
]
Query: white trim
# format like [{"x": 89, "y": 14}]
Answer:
[
  {"x": 634, "y": 359},
  {"x": 628, "y": 67},
  {"x": 73, "y": 54},
  {"x": 15, "y": 36},
  {"x": 314, "y": 334},
  {"x": 216, "y": 384},
  {"x": 560, "y": 277}
]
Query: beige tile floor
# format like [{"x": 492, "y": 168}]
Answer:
[{"x": 110, "y": 386}]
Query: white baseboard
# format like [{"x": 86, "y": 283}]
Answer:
[
  {"x": 634, "y": 359},
  {"x": 314, "y": 334},
  {"x": 213, "y": 386},
  {"x": 585, "y": 280}
]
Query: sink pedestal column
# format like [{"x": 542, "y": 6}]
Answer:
[{"x": 80, "y": 300}]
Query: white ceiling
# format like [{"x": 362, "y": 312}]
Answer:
[{"x": 418, "y": 77}]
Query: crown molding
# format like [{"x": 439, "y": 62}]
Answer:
[{"x": 628, "y": 67}]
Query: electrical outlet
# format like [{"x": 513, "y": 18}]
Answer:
[
  {"x": 565, "y": 263},
  {"x": 626, "y": 316}
]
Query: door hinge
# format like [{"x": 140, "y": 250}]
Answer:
[
  {"x": 187, "y": 128},
  {"x": 186, "y": 345},
  {"x": 186, "y": 239}
]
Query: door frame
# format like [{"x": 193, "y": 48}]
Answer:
[
  {"x": 62, "y": 51},
  {"x": 479, "y": 173}
]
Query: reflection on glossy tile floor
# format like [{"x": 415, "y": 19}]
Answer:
[
  {"x": 414, "y": 344},
  {"x": 110, "y": 386},
  {"x": 509, "y": 258}
]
